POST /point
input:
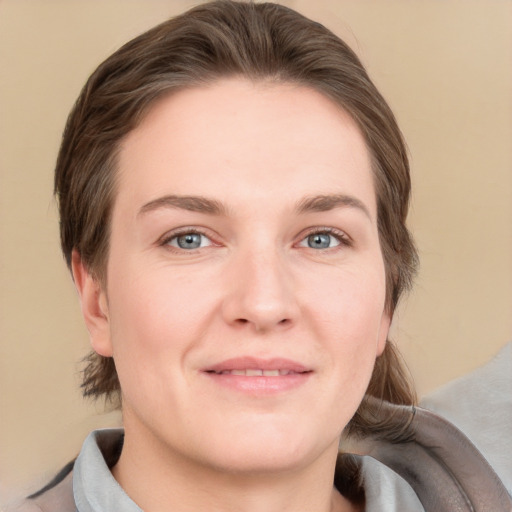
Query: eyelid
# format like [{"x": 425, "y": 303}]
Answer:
[
  {"x": 340, "y": 235},
  {"x": 344, "y": 239},
  {"x": 164, "y": 240}
]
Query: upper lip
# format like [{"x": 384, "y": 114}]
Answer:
[{"x": 255, "y": 363}]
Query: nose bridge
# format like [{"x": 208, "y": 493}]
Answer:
[{"x": 261, "y": 291}]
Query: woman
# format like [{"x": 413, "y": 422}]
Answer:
[{"x": 233, "y": 193}]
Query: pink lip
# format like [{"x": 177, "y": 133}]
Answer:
[
  {"x": 244, "y": 363},
  {"x": 292, "y": 375}
]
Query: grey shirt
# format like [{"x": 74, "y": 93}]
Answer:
[{"x": 90, "y": 487}]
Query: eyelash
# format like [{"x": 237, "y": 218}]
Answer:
[
  {"x": 343, "y": 239},
  {"x": 166, "y": 239}
]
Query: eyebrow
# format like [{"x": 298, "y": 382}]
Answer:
[
  {"x": 190, "y": 203},
  {"x": 324, "y": 203},
  {"x": 200, "y": 204}
]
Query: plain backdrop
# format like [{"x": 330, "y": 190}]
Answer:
[{"x": 445, "y": 68}]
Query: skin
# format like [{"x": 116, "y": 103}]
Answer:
[{"x": 259, "y": 285}]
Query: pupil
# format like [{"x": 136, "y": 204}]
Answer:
[
  {"x": 189, "y": 241},
  {"x": 319, "y": 241}
]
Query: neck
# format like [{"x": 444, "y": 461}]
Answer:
[{"x": 159, "y": 480}]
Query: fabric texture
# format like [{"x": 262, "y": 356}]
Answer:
[{"x": 480, "y": 404}]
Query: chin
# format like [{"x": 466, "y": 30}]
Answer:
[
  {"x": 267, "y": 450},
  {"x": 259, "y": 460}
]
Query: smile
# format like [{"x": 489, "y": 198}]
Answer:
[
  {"x": 256, "y": 377},
  {"x": 257, "y": 367},
  {"x": 252, "y": 372}
]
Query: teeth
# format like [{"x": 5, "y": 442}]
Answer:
[{"x": 255, "y": 372}]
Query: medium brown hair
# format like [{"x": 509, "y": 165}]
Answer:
[{"x": 259, "y": 41}]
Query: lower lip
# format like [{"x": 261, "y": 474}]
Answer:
[{"x": 260, "y": 385}]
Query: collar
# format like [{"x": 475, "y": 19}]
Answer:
[
  {"x": 96, "y": 490},
  {"x": 94, "y": 487}
]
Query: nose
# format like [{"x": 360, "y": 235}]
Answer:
[{"x": 261, "y": 293}]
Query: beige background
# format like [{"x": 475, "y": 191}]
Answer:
[{"x": 445, "y": 68}]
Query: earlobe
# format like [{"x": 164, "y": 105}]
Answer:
[
  {"x": 385, "y": 325},
  {"x": 93, "y": 302}
]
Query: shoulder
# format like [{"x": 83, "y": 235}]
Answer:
[
  {"x": 459, "y": 448},
  {"x": 86, "y": 477},
  {"x": 57, "y": 498},
  {"x": 480, "y": 405}
]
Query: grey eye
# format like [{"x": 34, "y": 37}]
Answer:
[
  {"x": 189, "y": 241},
  {"x": 321, "y": 241}
]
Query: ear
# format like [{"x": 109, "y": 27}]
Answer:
[
  {"x": 385, "y": 324},
  {"x": 93, "y": 301}
]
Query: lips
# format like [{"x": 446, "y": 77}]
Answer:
[
  {"x": 258, "y": 377},
  {"x": 256, "y": 372},
  {"x": 255, "y": 367}
]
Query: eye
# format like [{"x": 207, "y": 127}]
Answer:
[
  {"x": 324, "y": 239},
  {"x": 188, "y": 241},
  {"x": 321, "y": 241}
]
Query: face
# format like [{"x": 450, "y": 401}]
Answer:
[{"x": 244, "y": 300}]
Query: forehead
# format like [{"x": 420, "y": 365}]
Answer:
[{"x": 263, "y": 137}]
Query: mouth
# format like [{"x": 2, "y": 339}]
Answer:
[
  {"x": 259, "y": 376},
  {"x": 256, "y": 372},
  {"x": 258, "y": 367}
]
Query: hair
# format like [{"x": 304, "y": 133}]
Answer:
[{"x": 261, "y": 42}]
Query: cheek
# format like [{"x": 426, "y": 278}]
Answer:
[
  {"x": 158, "y": 314},
  {"x": 154, "y": 326},
  {"x": 349, "y": 317},
  {"x": 350, "y": 303}
]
